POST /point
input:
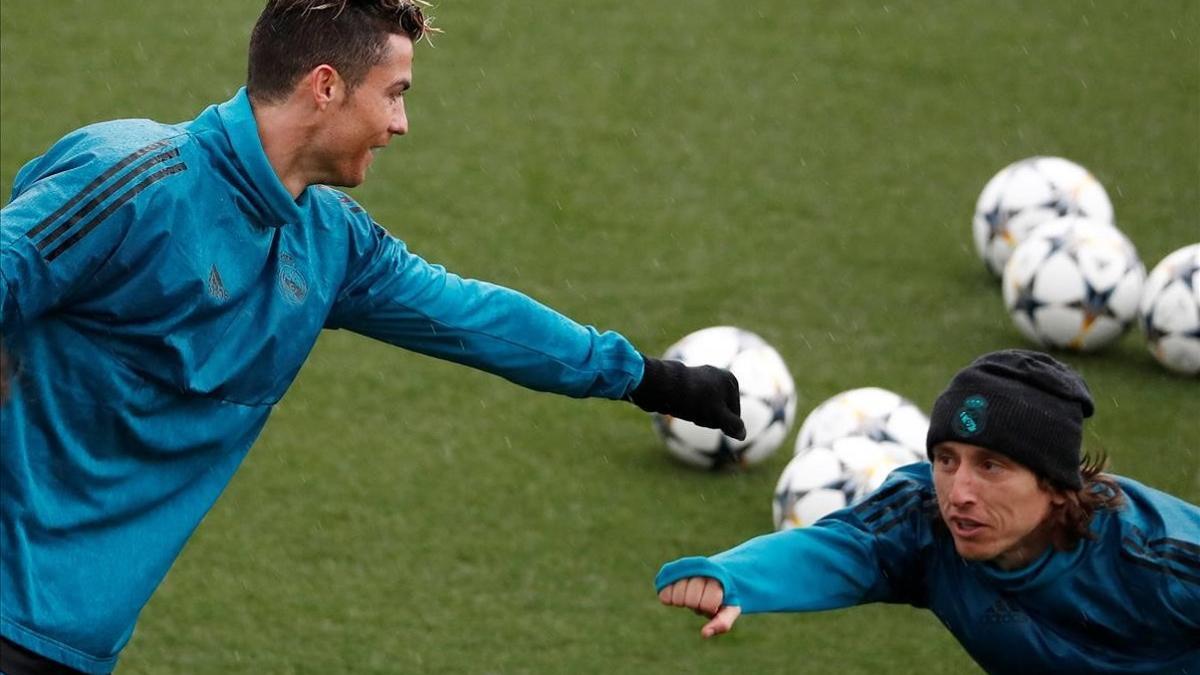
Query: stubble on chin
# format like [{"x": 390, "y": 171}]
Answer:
[{"x": 972, "y": 553}]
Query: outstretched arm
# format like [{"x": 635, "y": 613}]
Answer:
[
  {"x": 395, "y": 296},
  {"x": 871, "y": 552}
]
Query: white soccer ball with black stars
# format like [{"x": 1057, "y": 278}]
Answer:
[
  {"x": 1169, "y": 313},
  {"x": 1028, "y": 193},
  {"x": 826, "y": 478},
  {"x": 873, "y": 412},
  {"x": 1074, "y": 284},
  {"x": 768, "y": 399}
]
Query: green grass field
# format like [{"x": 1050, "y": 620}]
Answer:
[{"x": 806, "y": 170}]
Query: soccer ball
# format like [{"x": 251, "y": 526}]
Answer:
[
  {"x": 1074, "y": 284},
  {"x": 830, "y": 477},
  {"x": 1169, "y": 312},
  {"x": 876, "y": 413},
  {"x": 1027, "y": 193},
  {"x": 768, "y": 399}
]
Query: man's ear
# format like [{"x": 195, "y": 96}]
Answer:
[{"x": 325, "y": 85}]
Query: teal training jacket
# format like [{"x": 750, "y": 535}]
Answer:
[
  {"x": 160, "y": 289},
  {"x": 1126, "y": 602}
]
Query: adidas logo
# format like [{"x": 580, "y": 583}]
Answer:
[
  {"x": 216, "y": 287},
  {"x": 1004, "y": 611}
]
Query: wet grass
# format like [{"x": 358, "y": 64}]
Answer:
[{"x": 805, "y": 170}]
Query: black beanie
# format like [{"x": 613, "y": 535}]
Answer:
[{"x": 1019, "y": 403}]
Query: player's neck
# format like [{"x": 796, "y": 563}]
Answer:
[
  {"x": 284, "y": 141},
  {"x": 1028, "y": 549}
]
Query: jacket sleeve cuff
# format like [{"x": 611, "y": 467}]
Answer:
[{"x": 697, "y": 566}]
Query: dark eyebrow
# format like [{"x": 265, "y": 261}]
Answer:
[{"x": 402, "y": 85}]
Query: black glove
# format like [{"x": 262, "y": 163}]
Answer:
[{"x": 705, "y": 395}]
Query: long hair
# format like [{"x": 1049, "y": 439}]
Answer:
[
  {"x": 1072, "y": 521},
  {"x": 291, "y": 37}
]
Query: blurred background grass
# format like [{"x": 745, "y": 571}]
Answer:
[{"x": 804, "y": 170}]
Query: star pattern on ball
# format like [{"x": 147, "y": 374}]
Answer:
[
  {"x": 724, "y": 455},
  {"x": 1187, "y": 273},
  {"x": 997, "y": 221},
  {"x": 1027, "y": 303},
  {"x": 1095, "y": 304},
  {"x": 1058, "y": 202},
  {"x": 778, "y": 407}
]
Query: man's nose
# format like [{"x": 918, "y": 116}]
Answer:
[
  {"x": 962, "y": 491},
  {"x": 399, "y": 123}
]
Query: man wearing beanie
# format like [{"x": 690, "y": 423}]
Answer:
[{"x": 1033, "y": 558}]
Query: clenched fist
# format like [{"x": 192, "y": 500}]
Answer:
[
  {"x": 705, "y": 395},
  {"x": 702, "y": 595}
]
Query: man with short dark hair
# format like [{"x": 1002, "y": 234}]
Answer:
[
  {"x": 161, "y": 285},
  {"x": 1035, "y": 560}
]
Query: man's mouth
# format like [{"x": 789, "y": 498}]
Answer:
[{"x": 965, "y": 527}]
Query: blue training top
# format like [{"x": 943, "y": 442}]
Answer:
[
  {"x": 1126, "y": 602},
  {"x": 161, "y": 289}
]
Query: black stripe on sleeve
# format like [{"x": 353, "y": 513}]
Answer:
[
  {"x": 108, "y": 192},
  {"x": 899, "y": 504},
  {"x": 1177, "y": 543},
  {"x": 903, "y": 504},
  {"x": 1161, "y": 553},
  {"x": 1159, "y": 567},
  {"x": 1163, "y": 547},
  {"x": 883, "y": 495},
  {"x": 150, "y": 180},
  {"x": 91, "y": 186},
  {"x": 901, "y": 515},
  {"x": 1180, "y": 558},
  {"x": 1135, "y": 547},
  {"x": 881, "y": 505},
  {"x": 351, "y": 204}
]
